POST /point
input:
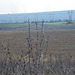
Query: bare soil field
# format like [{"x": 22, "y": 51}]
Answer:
[{"x": 61, "y": 48}]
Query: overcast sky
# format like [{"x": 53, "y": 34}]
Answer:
[{"x": 29, "y": 6}]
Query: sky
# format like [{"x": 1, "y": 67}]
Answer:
[{"x": 31, "y": 6}]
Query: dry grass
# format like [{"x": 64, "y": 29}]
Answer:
[
  {"x": 61, "y": 45},
  {"x": 60, "y": 41}
]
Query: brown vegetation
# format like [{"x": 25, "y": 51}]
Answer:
[{"x": 37, "y": 52}]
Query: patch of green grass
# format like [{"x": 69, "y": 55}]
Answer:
[
  {"x": 56, "y": 23},
  {"x": 12, "y": 24}
]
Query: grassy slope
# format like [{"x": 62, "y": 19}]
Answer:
[{"x": 47, "y": 26}]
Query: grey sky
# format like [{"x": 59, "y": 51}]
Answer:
[{"x": 28, "y": 6}]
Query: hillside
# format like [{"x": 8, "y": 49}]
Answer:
[{"x": 47, "y": 16}]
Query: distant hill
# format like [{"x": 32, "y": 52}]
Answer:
[{"x": 47, "y": 16}]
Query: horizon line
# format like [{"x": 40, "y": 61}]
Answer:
[{"x": 34, "y": 12}]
